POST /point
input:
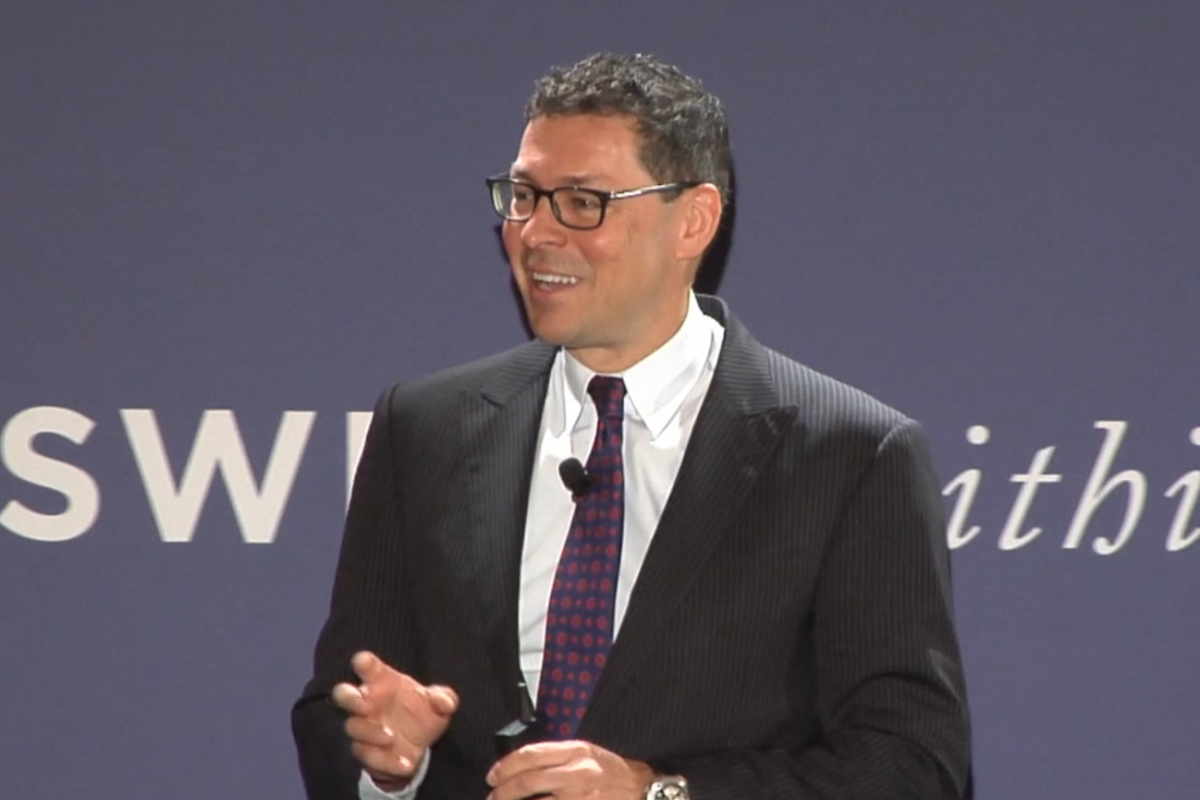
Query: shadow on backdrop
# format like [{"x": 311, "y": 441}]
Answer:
[{"x": 708, "y": 276}]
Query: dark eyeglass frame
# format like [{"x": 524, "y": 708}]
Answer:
[{"x": 604, "y": 198}]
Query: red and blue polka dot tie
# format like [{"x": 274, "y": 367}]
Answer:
[{"x": 579, "y": 622}]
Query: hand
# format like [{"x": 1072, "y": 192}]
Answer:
[
  {"x": 392, "y": 719},
  {"x": 568, "y": 771}
]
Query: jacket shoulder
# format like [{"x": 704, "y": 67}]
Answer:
[
  {"x": 826, "y": 403},
  {"x": 759, "y": 377},
  {"x": 499, "y": 372}
]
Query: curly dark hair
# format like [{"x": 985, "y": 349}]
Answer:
[{"x": 684, "y": 133}]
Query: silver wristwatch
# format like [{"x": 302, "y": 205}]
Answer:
[{"x": 668, "y": 787}]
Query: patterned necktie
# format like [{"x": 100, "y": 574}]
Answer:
[{"x": 579, "y": 622}]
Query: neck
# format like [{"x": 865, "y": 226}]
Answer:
[{"x": 611, "y": 360}]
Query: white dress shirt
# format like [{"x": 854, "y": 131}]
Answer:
[{"x": 663, "y": 394}]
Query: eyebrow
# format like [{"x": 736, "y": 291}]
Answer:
[{"x": 584, "y": 179}]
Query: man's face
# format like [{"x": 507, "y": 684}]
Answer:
[{"x": 610, "y": 295}]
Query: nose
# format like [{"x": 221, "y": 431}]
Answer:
[{"x": 543, "y": 228}]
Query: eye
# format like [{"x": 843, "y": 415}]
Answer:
[
  {"x": 521, "y": 193},
  {"x": 584, "y": 201}
]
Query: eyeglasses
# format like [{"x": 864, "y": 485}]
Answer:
[{"x": 574, "y": 206}]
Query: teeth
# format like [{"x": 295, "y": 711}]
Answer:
[{"x": 547, "y": 277}]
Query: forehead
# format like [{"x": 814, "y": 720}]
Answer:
[{"x": 580, "y": 148}]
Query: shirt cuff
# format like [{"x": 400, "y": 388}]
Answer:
[{"x": 367, "y": 790}]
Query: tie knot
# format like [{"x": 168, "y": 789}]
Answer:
[{"x": 608, "y": 393}]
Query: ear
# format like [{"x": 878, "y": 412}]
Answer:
[{"x": 700, "y": 215}]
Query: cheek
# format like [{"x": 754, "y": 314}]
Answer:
[{"x": 612, "y": 259}]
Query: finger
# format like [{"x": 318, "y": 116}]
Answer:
[
  {"x": 381, "y": 749},
  {"x": 381, "y": 762},
  {"x": 535, "y": 783},
  {"x": 368, "y": 666},
  {"x": 381, "y": 682},
  {"x": 533, "y": 757},
  {"x": 365, "y": 731},
  {"x": 350, "y": 698},
  {"x": 442, "y": 699}
]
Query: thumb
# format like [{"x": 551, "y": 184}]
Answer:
[{"x": 442, "y": 699}]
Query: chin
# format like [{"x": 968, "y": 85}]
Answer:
[
  {"x": 551, "y": 336},
  {"x": 552, "y": 328}
]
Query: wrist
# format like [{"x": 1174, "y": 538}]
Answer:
[
  {"x": 390, "y": 782},
  {"x": 387, "y": 783},
  {"x": 644, "y": 775}
]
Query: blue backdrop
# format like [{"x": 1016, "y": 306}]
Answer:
[{"x": 225, "y": 226}]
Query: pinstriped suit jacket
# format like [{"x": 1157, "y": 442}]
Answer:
[{"x": 790, "y": 634}]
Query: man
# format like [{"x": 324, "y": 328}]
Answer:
[{"x": 745, "y": 594}]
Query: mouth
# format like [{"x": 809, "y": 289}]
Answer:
[{"x": 551, "y": 281}]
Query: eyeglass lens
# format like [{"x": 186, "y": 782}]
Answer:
[{"x": 578, "y": 208}]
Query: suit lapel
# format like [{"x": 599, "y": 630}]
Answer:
[
  {"x": 737, "y": 429},
  {"x": 500, "y": 432}
]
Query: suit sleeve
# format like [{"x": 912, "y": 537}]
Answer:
[
  {"x": 890, "y": 691},
  {"x": 369, "y": 576}
]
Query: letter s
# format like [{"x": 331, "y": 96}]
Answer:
[{"x": 80, "y": 490}]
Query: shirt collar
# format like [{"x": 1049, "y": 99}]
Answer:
[{"x": 655, "y": 387}]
